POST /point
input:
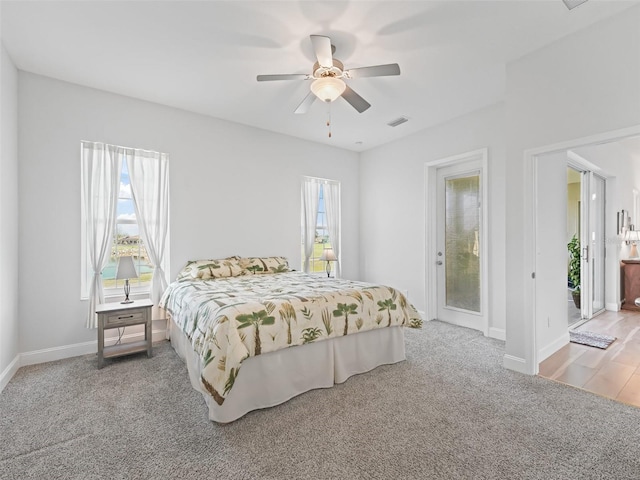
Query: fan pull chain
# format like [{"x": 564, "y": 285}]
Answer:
[{"x": 329, "y": 118}]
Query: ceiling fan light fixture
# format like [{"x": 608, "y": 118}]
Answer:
[{"x": 328, "y": 89}]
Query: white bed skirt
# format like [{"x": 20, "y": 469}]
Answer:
[{"x": 275, "y": 377}]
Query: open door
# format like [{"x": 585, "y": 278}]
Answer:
[{"x": 592, "y": 243}]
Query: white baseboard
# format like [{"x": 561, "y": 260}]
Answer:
[
  {"x": 515, "y": 363},
  {"x": 498, "y": 333},
  {"x": 9, "y": 372},
  {"x": 67, "y": 351},
  {"x": 553, "y": 347},
  {"x": 612, "y": 307},
  {"x": 57, "y": 353}
]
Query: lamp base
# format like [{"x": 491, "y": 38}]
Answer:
[
  {"x": 127, "y": 289},
  {"x": 634, "y": 251},
  {"x": 328, "y": 269}
]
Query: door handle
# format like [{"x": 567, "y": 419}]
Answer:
[{"x": 439, "y": 262}]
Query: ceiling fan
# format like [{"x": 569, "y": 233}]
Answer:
[{"x": 328, "y": 74}]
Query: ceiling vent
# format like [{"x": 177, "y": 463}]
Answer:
[
  {"x": 573, "y": 3},
  {"x": 398, "y": 121}
]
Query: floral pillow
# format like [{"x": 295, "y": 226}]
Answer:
[
  {"x": 206, "y": 269},
  {"x": 258, "y": 265}
]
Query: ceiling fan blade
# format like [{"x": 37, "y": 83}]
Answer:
[
  {"x": 287, "y": 76},
  {"x": 356, "y": 101},
  {"x": 306, "y": 103},
  {"x": 322, "y": 47},
  {"x": 375, "y": 71}
]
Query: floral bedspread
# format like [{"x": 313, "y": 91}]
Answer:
[{"x": 230, "y": 319}]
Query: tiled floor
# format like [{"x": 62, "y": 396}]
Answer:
[{"x": 614, "y": 372}]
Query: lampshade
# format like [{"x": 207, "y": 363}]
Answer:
[
  {"x": 328, "y": 89},
  {"x": 631, "y": 236},
  {"x": 126, "y": 269},
  {"x": 328, "y": 255}
]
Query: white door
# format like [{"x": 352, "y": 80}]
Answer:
[
  {"x": 459, "y": 233},
  {"x": 592, "y": 242}
]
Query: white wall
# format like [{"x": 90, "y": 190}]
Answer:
[
  {"x": 616, "y": 162},
  {"x": 392, "y": 205},
  {"x": 584, "y": 84},
  {"x": 234, "y": 190},
  {"x": 551, "y": 254},
  {"x": 8, "y": 217}
]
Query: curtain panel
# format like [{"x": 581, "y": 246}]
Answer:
[
  {"x": 149, "y": 177},
  {"x": 310, "y": 200},
  {"x": 332, "y": 207},
  {"x": 100, "y": 182}
]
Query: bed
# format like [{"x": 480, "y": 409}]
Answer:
[{"x": 254, "y": 334}]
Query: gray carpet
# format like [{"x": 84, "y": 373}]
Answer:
[{"x": 450, "y": 411}]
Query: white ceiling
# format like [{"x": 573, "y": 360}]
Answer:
[{"x": 204, "y": 56}]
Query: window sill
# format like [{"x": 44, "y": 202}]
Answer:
[
  {"x": 120, "y": 296},
  {"x": 117, "y": 297}
]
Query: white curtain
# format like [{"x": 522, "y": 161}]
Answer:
[
  {"x": 310, "y": 199},
  {"x": 332, "y": 207},
  {"x": 149, "y": 176},
  {"x": 100, "y": 172}
]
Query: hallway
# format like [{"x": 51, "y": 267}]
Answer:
[{"x": 612, "y": 373}]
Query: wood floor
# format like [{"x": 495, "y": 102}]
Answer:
[{"x": 614, "y": 372}]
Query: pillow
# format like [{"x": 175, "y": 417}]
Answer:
[
  {"x": 265, "y": 264},
  {"x": 206, "y": 269}
]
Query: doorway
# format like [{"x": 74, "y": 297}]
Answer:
[
  {"x": 546, "y": 324},
  {"x": 457, "y": 287}
]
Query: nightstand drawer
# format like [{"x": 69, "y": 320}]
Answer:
[{"x": 124, "y": 317}]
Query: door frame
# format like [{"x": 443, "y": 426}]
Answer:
[
  {"x": 430, "y": 172},
  {"x": 529, "y": 213}
]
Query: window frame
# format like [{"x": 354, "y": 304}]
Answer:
[
  {"x": 110, "y": 293},
  {"x": 317, "y": 266}
]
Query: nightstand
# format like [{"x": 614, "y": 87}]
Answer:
[{"x": 119, "y": 315}]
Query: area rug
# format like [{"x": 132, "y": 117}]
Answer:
[{"x": 591, "y": 339}]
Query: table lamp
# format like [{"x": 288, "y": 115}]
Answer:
[
  {"x": 126, "y": 270},
  {"x": 328, "y": 256},
  {"x": 631, "y": 237}
]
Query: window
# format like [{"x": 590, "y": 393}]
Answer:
[
  {"x": 320, "y": 222},
  {"x": 126, "y": 241},
  {"x": 321, "y": 240},
  {"x": 126, "y": 237}
]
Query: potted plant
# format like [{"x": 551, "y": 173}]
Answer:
[{"x": 574, "y": 269}]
